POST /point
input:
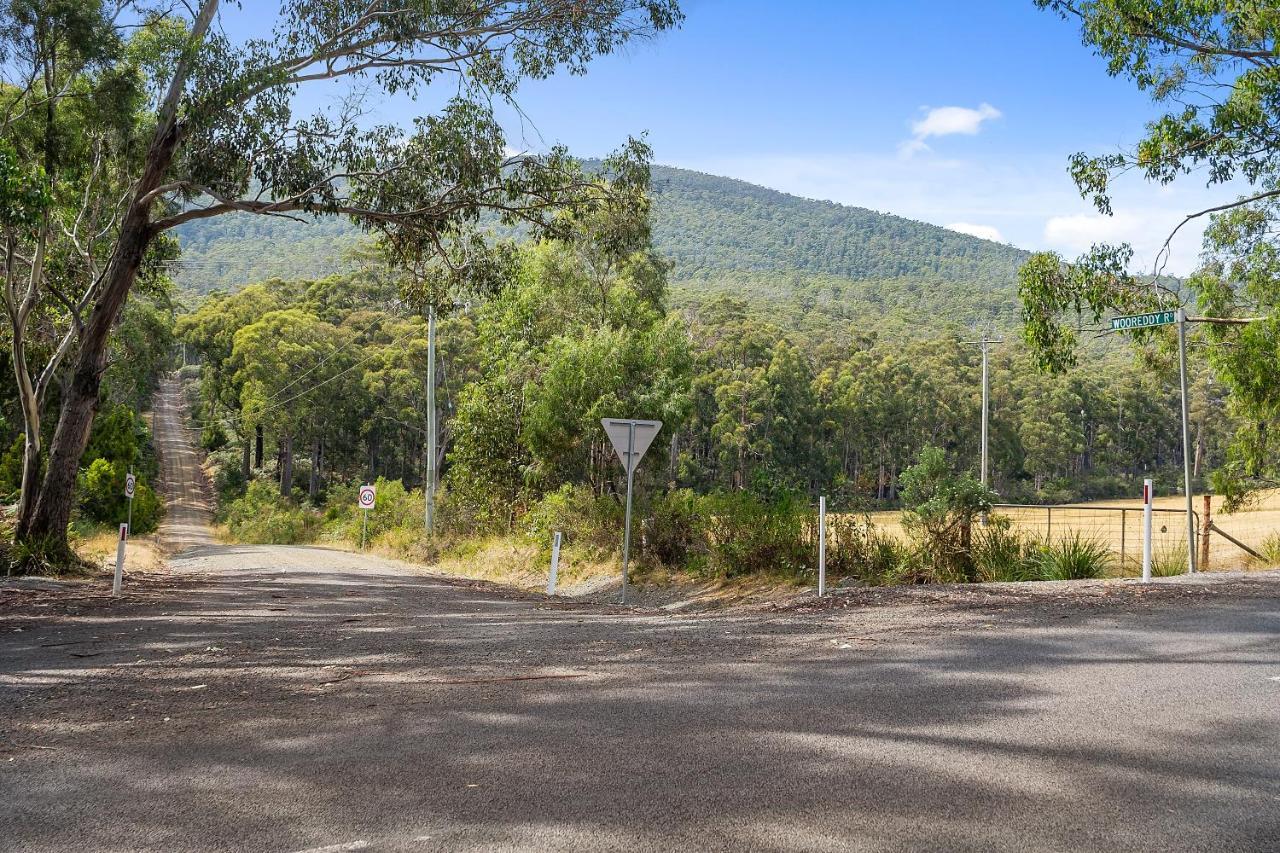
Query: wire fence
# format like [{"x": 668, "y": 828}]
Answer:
[
  {"x": 1240, "y": 540},
  {"x": 1234, "y": 541}
]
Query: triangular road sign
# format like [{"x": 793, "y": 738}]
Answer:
[{"x": 630, "y": 439}]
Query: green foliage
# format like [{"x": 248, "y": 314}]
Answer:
[
  {"x": 588, "y": 522},
  {"x": 1001, "y": 553},
  {"x": 1074, "y": 557},
  {"x": 11, "y": 467},
  {"x": 1211, "y": 69},
  {"x": 394, "y": 507},
  {"x": 102, "y": 500},
  {"x": 856, "y": 549},
  {"x": 942, "y": 507},
  {"x": 750, "y": 536},
  {"x": 674, "y": 531},
  {"x": 263, "y": 516}
]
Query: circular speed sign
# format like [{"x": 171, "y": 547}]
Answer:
[
  {"x": 367, "y": 497},
  {"x": 129, "y": 484}
]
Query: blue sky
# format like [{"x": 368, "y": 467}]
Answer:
[{"x": 958, "y": 113}]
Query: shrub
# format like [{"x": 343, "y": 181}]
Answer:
[
  {"x": 942, "y": 507},
  {"x": 1169, "y": 560},
  {"x": 1000, "y": 553},
  {"x": 675, "y": 532},
  {"x": 1270, "y": 549},
  {"x": 11, "y": 467},
  {"x": 394, "y": 507},
  {"x": 102, "y": 500},
  {"x": 855, "y": 548},
  {"x": 749, "y": 536},
  {"x": 1074, "y": 558},
  {"x": 587, "y": 521},
  {"x": 265, "y": 517},
  {"x": 213, "y": 436}
]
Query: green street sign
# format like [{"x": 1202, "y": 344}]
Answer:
[{"x": 1143, "y": 321}]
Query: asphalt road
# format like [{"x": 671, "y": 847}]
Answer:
[
  {"x": 273, "y": 699},
  {"x": 287, "y": 699}
]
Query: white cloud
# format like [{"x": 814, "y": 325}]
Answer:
[
  {"x": 946, "y": 121},
  {"x": 1078, "y": 232},
  {"x": 986, "y": 232}
]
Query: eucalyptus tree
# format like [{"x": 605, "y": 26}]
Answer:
[
  {"x": 217, "y": 133},
  {"x": 1214, "y": 69}
]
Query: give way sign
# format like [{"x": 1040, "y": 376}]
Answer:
[{"x": 630, "y": 438}]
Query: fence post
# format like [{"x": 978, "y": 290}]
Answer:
[
  {"x": 1204, "y": 535},
  {"x": 1123, "y": 514},
  {"x": 1048, "y": 524}
]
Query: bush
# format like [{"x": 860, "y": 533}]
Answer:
[
  {"x": 855, "y": 548},
  {"x": 675, "y": 532},
  {"x": 1002, "y": 554},
  {"x": 1074, "y": 558},
  {"x": 393, "y": 508},
  {"x": 748, "y": 536},
  {"x": 590, "y": 522},
  {"x": 265, "y": 517},
  {"x": 102, "y": 500},
  {"x": 213, "y": 436},
  {"x": 942, "y": 507},
  {"x": 11, "y": 468}
]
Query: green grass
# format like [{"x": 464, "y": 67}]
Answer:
[{"x": 1074, "y": 558}]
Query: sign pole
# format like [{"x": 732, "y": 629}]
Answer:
[
  {"x": 1148, "y": 496},
  {"x": 626, "y": 536},
  {"x": 364, "y": 528},
  {"x": 555, "y": 564},
  {"x": 115, "y": 584},
  {"x": 822, "y": 546},
  {"x": 1186, "y": 440}
]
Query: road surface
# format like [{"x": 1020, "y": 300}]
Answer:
[
  {"x": 182, "y": 482},
  {"x": 284, "y": 699},
  {"x": 290, "y": 699}
]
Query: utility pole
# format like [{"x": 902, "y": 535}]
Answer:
[
  {"x": 1186, "y": 440},
  {"x": 429, "y": 488},
  {"x": 986, "y": 399}
]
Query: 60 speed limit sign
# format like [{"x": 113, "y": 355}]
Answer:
[
  {"x": 129, "y": 483},
  {"x": 367, "y": 497}
]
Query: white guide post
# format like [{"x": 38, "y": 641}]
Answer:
[
  {"x": 822, "y": 547},
  {"x": 115, "y": 584},
  {"x": 1148, "y": 495},
  {"x": 555, "y": 564}
]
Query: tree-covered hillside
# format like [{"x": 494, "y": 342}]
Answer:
[
  {"x": 708, "y": 225},
  {"x": 817, "y": 263}
]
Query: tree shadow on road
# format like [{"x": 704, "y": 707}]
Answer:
[{"x": 270, "y": 711}]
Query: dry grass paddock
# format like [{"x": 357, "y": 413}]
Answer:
[{"x": 1104, "y": 522}]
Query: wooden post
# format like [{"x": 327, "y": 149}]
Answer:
[{"x": 1205, "y": 524}]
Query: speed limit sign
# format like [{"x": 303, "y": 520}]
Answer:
[
  {"x": 129, "y": 483},
  {"x": 367, "y": 497}
]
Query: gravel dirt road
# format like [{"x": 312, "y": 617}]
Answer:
[{"x": 289, "y": 699}]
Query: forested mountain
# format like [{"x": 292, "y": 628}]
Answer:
[{"x": 812, "y": 262}]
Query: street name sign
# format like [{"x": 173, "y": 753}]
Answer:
[{"x": 1143, "y": 321}]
